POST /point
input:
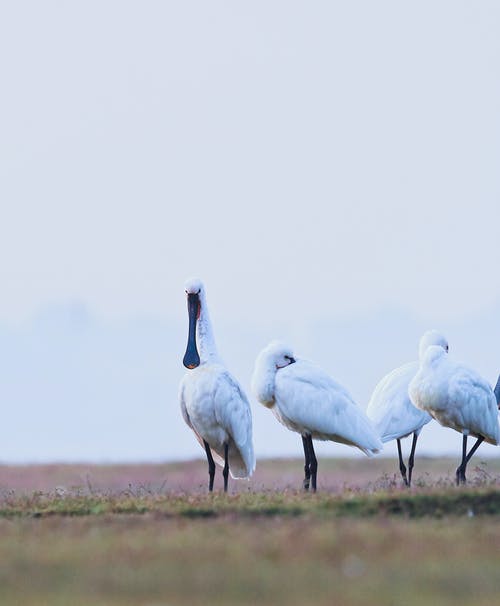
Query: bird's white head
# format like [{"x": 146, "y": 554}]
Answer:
[
  {"x": 194, "y": 286},
  {"x": 429, "y": 339},
  {"x": 270, "y": 360},
  {"x": 278, "y": 354},
  {"x": 433, "y": 356}
]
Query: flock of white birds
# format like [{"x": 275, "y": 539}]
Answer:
[{"x": 305, "y": 399}]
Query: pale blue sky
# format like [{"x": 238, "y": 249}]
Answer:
[{"x": 330, "y": 169}]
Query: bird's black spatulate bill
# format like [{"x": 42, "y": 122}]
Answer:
[
  {"x": 191, "y": 357},
  {"x": 497, "y": 392}
]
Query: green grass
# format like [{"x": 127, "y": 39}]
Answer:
[{"x": 422, "y": 503}]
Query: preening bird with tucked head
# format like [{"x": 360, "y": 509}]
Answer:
[
  {"x": 457, "y": 397},
  {"x": 305, "y": 399},
  {"x": 390, "y": 407}
]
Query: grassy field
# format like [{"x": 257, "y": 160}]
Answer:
[{"x": 150, "y": 535}]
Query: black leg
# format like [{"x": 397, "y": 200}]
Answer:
[
  {"x": 461, "y": 468},
  {"x": 411, "y": 459},
  {"x": 402, "y": 467},
  {"x": 225, "y": 471},
  {"x": 466, "y": 458},
  {"x": 211, "y": 466},
  {"x": 313, "y": 463},
  {"x": 479, "y": 441},
  {"x": 307, "y": 470},
  {"x": 469, "y": 456}
]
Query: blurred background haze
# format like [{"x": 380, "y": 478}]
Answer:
[{"x": 329, "y": 169}]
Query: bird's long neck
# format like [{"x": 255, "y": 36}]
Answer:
[{"x": 205, "y": 336}]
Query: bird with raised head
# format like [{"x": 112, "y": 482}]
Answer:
[{"x": 212, "y": 401}]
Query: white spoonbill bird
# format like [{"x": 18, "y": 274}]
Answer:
[
  {"x": 212, "y": 402},
  {"x": 457, "y": 397},
  {"x": 305, "y": 399},
  {"x": 390, "y": 407}
]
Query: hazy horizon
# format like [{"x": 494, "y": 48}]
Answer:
[{"x": 101, "y": 390}]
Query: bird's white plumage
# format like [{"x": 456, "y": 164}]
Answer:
[
  {"x": 455, "y": 395},
  {"x": 390, "y": 407},
  {"x": 305, "y": 399},
  {"x": 215, "y": 407},
  {"x": 212, "y": 402}
]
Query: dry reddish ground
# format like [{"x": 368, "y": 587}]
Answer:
[{"x": 335, "y": 475}]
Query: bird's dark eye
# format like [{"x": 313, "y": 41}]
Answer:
[{"x": 290, "y": 359}]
